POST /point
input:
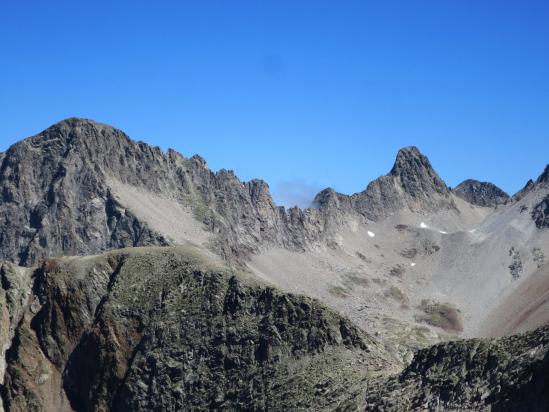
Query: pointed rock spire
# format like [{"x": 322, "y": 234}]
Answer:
[{"x": 416, "y": 174}]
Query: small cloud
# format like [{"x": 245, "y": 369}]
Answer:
[{"x": 295, "y": 192}]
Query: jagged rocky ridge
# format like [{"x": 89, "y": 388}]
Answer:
[
  {"x": 57, "y": 198},
  {"x": 412, "y": 183}
]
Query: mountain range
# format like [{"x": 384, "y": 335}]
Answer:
[{"x": 138, "y": 279}]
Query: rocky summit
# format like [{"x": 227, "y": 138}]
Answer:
[
  {"x": 137, "y": 279},
  {"x": 481, "y": 193}
]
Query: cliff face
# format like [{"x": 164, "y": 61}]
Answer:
[{"x": 54, "y": 198}]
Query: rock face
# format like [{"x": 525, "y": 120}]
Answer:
[
  {"x": 168, "y": 329},
  {"x": 481, "y": 193},
  {"x": 54, "y": 200},
  {"x": 507, "y": 374}
]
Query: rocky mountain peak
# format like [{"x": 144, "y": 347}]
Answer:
[
  {"x": 73, "y": 128},
  {"x": 416, "y": 174},
  {"x": 481, "y": 193}
]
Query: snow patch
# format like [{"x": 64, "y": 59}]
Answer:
[
  {"x": 442, "y": 232},
  {"x": 412, "y": 264},
  {"x": 371, "y": 234},
  {"x": 423, "y": 225}
]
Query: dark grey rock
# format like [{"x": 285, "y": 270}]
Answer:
[
  {"x": 540, "y": 214},
  {"x": 505, "y": 374},
  {"x": 481, "y": 193}
]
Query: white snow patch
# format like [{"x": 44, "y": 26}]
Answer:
[
  {"x": 412, "y": 264},
  {"x": 423, "y": 225},
  {"x": 472, "y": 230},
  {"x": 371, "y": 234},
  {"x": 442, "y": 232}
]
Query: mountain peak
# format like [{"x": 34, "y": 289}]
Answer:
[
  {"x": 415, "y": 172},
  {"x": 78, "y": 134},
  {"x": 409, "y": 158},
  {"x": 481, "y": 193}
]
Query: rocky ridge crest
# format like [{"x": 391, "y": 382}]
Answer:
[{"x": 57, "y": 197}]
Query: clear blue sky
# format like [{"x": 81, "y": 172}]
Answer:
[{"x": 304, "y": 94}]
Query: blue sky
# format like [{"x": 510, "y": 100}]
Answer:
[{"x": 304, "y": 94}]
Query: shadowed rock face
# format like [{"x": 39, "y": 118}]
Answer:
[
  {"x": 481, "y": 193},
  {"x": 544, "y": 177},
  {"x": 163, "y": 329}
]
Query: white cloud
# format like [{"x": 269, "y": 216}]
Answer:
[{"x": 295, "y": 192}]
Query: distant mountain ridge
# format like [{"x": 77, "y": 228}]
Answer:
[{"x": 57, "y": 199}]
